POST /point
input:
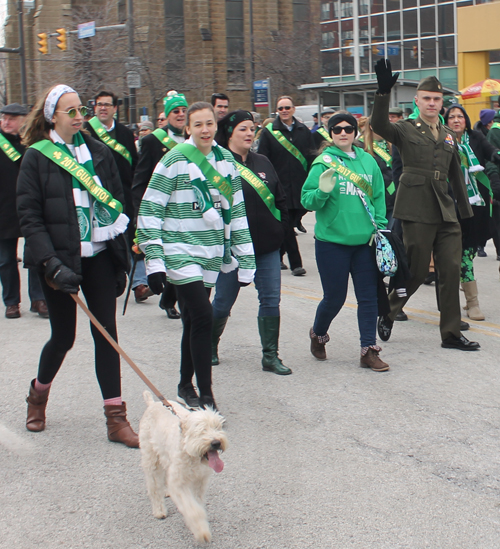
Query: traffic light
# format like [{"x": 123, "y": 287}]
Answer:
[
  {"x": 62, "y": 40},
  {"x": 375, "y": 50},
  {"x": 43, "y": 43},
  {"x": 414, "y": 52}
]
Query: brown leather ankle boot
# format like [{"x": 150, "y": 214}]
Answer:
[
  {"x": 37, "y": 402},
  {"x": 119, "y": 429}
]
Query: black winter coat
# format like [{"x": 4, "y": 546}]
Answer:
[
  {"x": 152, "y": 152},
  {"x": 125, "y": 137},
  {"x": 290, "y": 170},
  {"x": 9, "y": 223},
  {"x": 47, "y": 212},
  {"x": 266, "y": 231}
]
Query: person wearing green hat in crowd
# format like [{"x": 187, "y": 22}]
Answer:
[
  {"x": 431, "y": 192},
  {"x": 153, "y": 147}
]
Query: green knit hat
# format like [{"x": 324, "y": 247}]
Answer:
[{"x": 174, "y": 100}]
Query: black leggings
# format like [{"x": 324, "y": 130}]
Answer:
[
  {"x": 99, "y": 289},
  {"x": 196, "y": 345}
]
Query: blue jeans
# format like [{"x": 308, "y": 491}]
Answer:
[
  {"x": 267, "y": 281},
  {"x": 140, "y": 274},
  {"x": 9, "y": 275},
  {"x": 335, "y": 262}
]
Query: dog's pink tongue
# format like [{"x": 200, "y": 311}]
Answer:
[{"x": 214, "y": 461}]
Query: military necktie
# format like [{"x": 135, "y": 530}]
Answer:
[{"x": 434, "y": 131}]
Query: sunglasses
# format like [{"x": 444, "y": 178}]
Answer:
[
  {"x": 287, "y": 108},
  {"x": 337, "y": 130},
  {"x": 161, "y": 119},
  {"x": 179, "y": 111},
  {"x": 72, "y": 112}
]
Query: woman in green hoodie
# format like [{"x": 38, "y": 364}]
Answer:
[{"x": 343, "y": 182}]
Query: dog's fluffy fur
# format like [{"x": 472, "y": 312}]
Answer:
[{"x": 177, "y": 454}]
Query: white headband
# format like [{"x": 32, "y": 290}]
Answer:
[{"x": 54, "y": 95}]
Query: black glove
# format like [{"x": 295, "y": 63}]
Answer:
[
  {"x": 121, "y": 282},
  {"x": 385, "y": 78},
  {"x": 60, "y": 277},
  {"x": 157, "y": 282}
]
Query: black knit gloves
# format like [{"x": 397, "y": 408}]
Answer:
[
  {"x": 157, "y": 282},
  {"x": 385, "y": 78},
  {"x": 60, "y": 277}
]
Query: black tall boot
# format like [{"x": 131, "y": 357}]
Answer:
[
  {"x": 217, "y": 328},
  {"x": 269, "y": 330}
]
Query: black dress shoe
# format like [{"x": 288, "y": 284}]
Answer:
[
  {"x": 401, "y": 316},
  {"x": 301, "y": 228},
  {"x": 461, "y": 343},
  {"x": 173, "y": 313},
  {"x": 464, "y": 326},
  {"x": 384, "y": 327},
  {"x": 283, "y": 266},
  {"x": 429, "y": 279}
]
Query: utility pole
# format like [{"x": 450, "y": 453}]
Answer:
[
  {"x": 131, "y": 51},
  {"x": 252, "y": 60},
  {"x": 20, "y": 51}
]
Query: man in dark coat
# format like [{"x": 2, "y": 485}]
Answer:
[
  {"x": 431, "y": 190},
  {"x": 290, "y": 147},
  {"x": 119, "y": 139},
  {"x": 10, "y": 161}
]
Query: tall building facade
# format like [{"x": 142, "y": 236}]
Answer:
[
  {"x": 195, "y": 46},
  {"x": 418, "y": 36}
]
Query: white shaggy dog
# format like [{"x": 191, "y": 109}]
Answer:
[{"x": 177, "y": 453}]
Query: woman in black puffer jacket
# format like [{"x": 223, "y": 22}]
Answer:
[{"x": 69, "y": 202}]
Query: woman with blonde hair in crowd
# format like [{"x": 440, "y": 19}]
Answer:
[{"x": 71, "y": 214}]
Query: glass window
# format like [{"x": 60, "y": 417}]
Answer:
[
  {"x": 235, "y": 41},
  {"x": 345, "y": 8},
  {"x": 377, "y": 6},
  {"x": 346, "y": 32},
  {"x": 495, "y": 56},
  {"x": 174, "y": 33},
  {"x": 428, "y": 52},
  {"x": 347, "y": 61},
  {"x": 364, "y": 35},
  {"x": 410, "y": 24},
  {"x": 426, "y": 2},
  {"x": 410, "y": 55},
  {"x": 428, "y": 22},
  {"x": 331, "y": 29},
  {"x": 393, "y": 26},
  {"x": 364, "y": 59},
  {"x": 409, "y": 3},
  {"x": 393, "y": 5},
  {"x": 377, "y": 28},
  {"x": 326, "y": 11},
  {"x": 446, "y": 23},
  {"x": 394, "y": 54},
  {"x": 446, "y": 51},
  {"x": 364, "y": 7},
  {"x": 461, "y": 3},
  {"x": 330, "y": 63}
]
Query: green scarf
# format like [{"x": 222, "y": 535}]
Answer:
[{"x": 472, "y": 170}]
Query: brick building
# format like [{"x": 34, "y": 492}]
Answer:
[{"x": 195, "y": 46}]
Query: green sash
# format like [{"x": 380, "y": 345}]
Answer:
[
  {"x": 165, "y": 139},
  {"x": 261, "y": 188},
  {"x": 8, "y": 149},
  {"x": 68, "y": 163},
  {"x": 324, "y": 134},
  {"x": 346, "y": 173},
  {"x": 384, "y": 155},
  {"x": 106, "y": 138},
  {"x": 292, "y": 149}
]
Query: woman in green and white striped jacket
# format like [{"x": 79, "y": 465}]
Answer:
[{"x": 192, "y": 224}]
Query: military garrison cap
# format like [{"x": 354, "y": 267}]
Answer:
[
  {"x": 396, "y": 110},
  {"x": 431, "y": 84},
  {"x": 15, "y": 109}
]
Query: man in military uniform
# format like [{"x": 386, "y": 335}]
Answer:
[{"x": 431, "y": 185}]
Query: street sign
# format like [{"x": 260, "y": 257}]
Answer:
[
  {"x": 86, "y": 30},
  {"x": 144, "y": 118},
  {"x": 261, "y": 93},
  {"x": 133, "y": 79},
  {"x": 132, "y": 63}
]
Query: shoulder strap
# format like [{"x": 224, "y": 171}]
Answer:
[
  {"x": 7, "y": 147},
  {"x": 165, "y": 139},
  {"x": 260, "y": 188}
]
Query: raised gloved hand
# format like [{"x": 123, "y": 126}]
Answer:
[
  {"x": 157, "y": 282},
  {"x": 327, "y": 181},
  {"x": 121, "y": 282},
  {"x": 60, "y": 277},
  {"x": 385, "y": 78}
]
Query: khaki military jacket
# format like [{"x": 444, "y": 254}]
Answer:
[{"x": 430, "y": 168}]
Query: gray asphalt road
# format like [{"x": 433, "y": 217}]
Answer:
[{"x": 333, "y": 456}]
